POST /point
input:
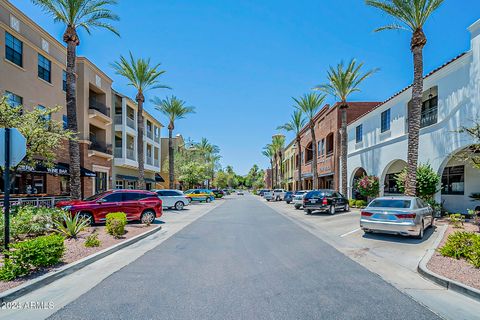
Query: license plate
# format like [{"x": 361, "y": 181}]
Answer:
[{"x": 313, "y": 201}]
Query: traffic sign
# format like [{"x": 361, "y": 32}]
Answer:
[{"x": 18, "y": 147}]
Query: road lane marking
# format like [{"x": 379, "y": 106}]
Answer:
[{"x": 348, "y": 233}]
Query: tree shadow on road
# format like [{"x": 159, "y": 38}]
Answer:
[{"x": 400, "y": 239}]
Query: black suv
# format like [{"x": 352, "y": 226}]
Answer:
[{"x": 325, "y": 200}]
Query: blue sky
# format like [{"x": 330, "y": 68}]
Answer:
[{"x": 240, "y": 62}]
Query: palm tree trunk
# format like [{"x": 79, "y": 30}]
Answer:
[
  {"x": 314, "y": 160},
  {"x": 343, "y": 149},
  {"x": 281, "y": 171},
  {"x": 418, "y": 42},
  {"x": 271, "y": 171},
  {"x": 73, "y": 146},
  {"x": 299, "y": 148},
  {"x": 141, "y": 153},
  {"x": 171, "y": 169}
]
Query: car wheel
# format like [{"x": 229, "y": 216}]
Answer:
[
  {"x": 288, "y": 202},
  {"x": 208, "y": 200},
  {"x": 86, "y": 216},
  {"x": 347, "y": 208},
  {"x": 297, "y": 207},
  {"x": 421, "y": 233},
  {"x": 179, "y": 205},
  {"x": 332, "y": 209},
  {"x": 147, "y": 217},
  {"x": 308, "y": 211},
  {"x": 268, "y": 200}
]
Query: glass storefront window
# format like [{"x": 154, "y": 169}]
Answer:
[
  {"x": 101, "y": 182},
  {"x": 453, "y": 180}
]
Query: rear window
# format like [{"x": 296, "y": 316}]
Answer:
[{"x": 387, "y": 203}]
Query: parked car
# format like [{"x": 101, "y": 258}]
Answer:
[
  {"x": 288, "y": 197},
  {"x": 275, "y": 195},
  {"x": 261, "y": 193},
  {"x": 137, "y": 204},
  {"x": 324, "y": 200},
  {"x": 218, "y": 193},
  {"x": 173, "y": 199},
  {"x": 202, "y": 195},
  {"x": 226, "y": 192},
  {"x": 298, "y": 199},
  {"x": 406, "y": 216},
  {"x": 240, "y": 192}
]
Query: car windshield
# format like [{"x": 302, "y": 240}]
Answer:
[
  {"x": 299, "y": 193},
  {"x": 390, "y": 203},
  {"x": 96, "y": 196}
]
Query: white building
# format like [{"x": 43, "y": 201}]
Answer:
[
  {"x": 125, "y": 161},
  {"x": 378, "y": 140}
]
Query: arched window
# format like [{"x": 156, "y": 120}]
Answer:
[
  {"x": 308, "y": 153},
  {"x": 329, "y": 144}
]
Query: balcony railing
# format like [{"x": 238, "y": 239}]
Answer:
[
  {"x": 131, "y": 123},
  {"x": 428, "y": 117},
  {"x": 156, "y": 162},
  {"x": 149, "y": 134},
  {"x": 99, "y": 106},
  {"x": 150, "y": 161},
  {"x": 118, "y": 152},
  {"x": 101, "y": 147},
  {"x": 118, "y": 119},
  {"x": 131, "y": 154}
]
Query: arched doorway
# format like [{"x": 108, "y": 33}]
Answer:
[
  {"x": 388, "y": 177},
  {"x": 357, "y": 175}
]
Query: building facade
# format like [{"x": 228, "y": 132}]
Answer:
[
  {"x": 125, "y": 133},
  {"x": 378, "y": 141},
  {"x": 289, "y": 167}
]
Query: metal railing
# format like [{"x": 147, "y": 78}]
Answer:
[
  {"x": 149, "y": 134},
  {"x": 99, "y": 106},
  {"x": 131, "y": 154},
  {"x": 48, "y": 202},
  {"x": 131, "y": 123},
  {"x": 101, "y": 147},
  {"x": 118, "y": 152},
  {"x": 428, "y": 117},
  {"x": 150, "y": 161},
  {"x": 118, "y": 119},
  {"x": 156, "y": 163}
]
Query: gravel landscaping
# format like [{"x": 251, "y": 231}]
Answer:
[
  {"x": 458, "y": 270},
  {"x": 76, "y": 250}
]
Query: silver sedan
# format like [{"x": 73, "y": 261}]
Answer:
[{"x": 406, "y": 216}]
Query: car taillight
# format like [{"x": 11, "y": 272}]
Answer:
[
  {"x": 324, "y": 201},
  {"x": 406, "y": 216},
  {"x": 366, "y": 214},
  {"x": 305, "y": 200}
]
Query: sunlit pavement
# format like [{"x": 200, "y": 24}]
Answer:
[{"x": 394, "y": 258}]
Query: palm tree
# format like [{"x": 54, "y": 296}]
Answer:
[
  {"x": 310, "y": 104},
  {"x": 268, "y": 151},
  {"x": 77, "y": 14},
  {"x": 412, "y": 15},
  {"x": 142, "y": 76},
  {"x": 174, "y": 109},
  {"x": 278, "y": 143},
  {"x": 343, "y": 81},
  {"x": 296, "y": 124},
  {"x": 210, "y": 154}
]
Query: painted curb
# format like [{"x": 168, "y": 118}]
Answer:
[
  {"x": 68, "y": 269},
  {"x": 441, "y": 280}
]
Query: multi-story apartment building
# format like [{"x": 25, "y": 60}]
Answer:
[
  {"x": 178, "y": 144},
  {"x": 125, "y": 132},
  {"x": 289, "y": 167},
  {"x": 327, "y": 135},
  {"x": 32, "y": 74},
  {"x": 451, "y": 100}
]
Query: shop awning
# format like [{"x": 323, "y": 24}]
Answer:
[
  {"x": 158, "y": 178},
  {"x": 59, "y": 169},
  {"x": 128, "y": 178},
  {"x": 149, "y": 180}
]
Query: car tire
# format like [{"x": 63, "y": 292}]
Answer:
[
  {"x": 297, "y": 207},
  {"x": 288, "y": 202},
  {"x": 87, "y": 216},
  {"x": 179, "y": 205},
  {"x": 346, "y": 208},
  {"x": 308, "y": 211},
  {"x": 421, "y": 233},
  {"x": 268, "y": 200},
  {"x": 332, "y": 210},
  {"x": 147, "y": 217},
  {"x": 208, "y": 200}
]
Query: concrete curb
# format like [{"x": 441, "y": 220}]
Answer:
[
  {"x": 68, "y": 269},
  {"x": 441, "y": 280}
]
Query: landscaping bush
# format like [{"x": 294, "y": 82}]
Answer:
[
  {"x": 368, "y": 186},
  {"x": 427, "y": 181},
  {"x": 116, "y": 222},
  {"x": 70, "y": 225},
  {"x": 352, "y": 203},
  {"x": 25, "y": 256},
  {"x": 361, "y": 203},
  {"x": 30, "y": 221},
  {"x": 92, "y": 241},
  {"x": 457, "y": 220},
  {"x": 462, "y": 244}
]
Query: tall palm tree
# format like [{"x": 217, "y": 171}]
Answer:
[
  {"x": 268, "y": 152},
  {"x": 210, "y": 154},
  {"x": 143, "y": 76},
  {"x": 278, "y": 143},
  {"x": 310, "y": 104},
  {"x": 174, "y": 109},
  {"x": 343, "y": 81},
  {"x": 296, "y": 124},
  {"x": 77, "y": 14},
  {"x": 412, "y": 15}
]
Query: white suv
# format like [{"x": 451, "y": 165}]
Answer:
[
  {"x": 172, "y": 199},
  {"x": 275, "y": 195}
]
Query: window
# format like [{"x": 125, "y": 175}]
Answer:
[
  {"x": 13, "y": 100},
  {"x": 308, "y": 153},
  {"x": 329, "y": 144},
  {"x": 13, "y": 49},
  {"x": 321, "y": 148},
  {"x": 65, "y": 122},
  {"x": 119, "y": 184},
  {"x": 391, "y": 184},
  {"x": 101, "y": 182},
  {"x": 47, "y": 117},
  {"x": 44, "y": 68},
  {"x": 359, "y": 133},
  {"x": 64, "y": 80},
  {"x": 429, "y": 113},
  {"x": 131, "y": 185},
  {"x": 113, "y": 197},
  {"x": 453, "y": 180},
  {"x": 384, "y": 203},
  {"x": 385, "y": 121}
]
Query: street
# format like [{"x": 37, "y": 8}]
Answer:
[{"x": 243, "y": 261}]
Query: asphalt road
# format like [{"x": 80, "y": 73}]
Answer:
[{"x": 244, "y": 261}]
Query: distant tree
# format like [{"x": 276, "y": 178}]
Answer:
[{"x": 268, "y": 151}]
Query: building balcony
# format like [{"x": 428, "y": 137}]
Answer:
[
  {"x": 118, "y": 152},
  {"x": 156, "y": 163},
  {"x": 149, "y": 134},
  {"x": 131, "y": 154},
  {"x": 99, "y": 111},
  {"x": 149, "y": 161},
  {"x": 131, "y": 123},
  {"x": 118, "y": 119},
  {"x": 428, "y": 117},
  {"x": 100, "y": 149}
]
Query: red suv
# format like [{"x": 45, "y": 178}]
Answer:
[{"x": 137, "y": 204}]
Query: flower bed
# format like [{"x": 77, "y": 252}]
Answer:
[{"x": 455, "y": 269}]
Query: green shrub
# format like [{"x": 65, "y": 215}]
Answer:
[
  {"x": 116, "y": 222},
  {"x": 361, "y": 203},
  {"x": 352, "y": 203},
  {"x": 457, "y": 220},
  {"x": 368, "y": 186},
  {"x": 474, "y": 254},
  {"x": 25, "y": 256},
  {"x": 461, "y": 244},
  {"x": 70, "y": 226},
  {"x": 92, "y": 241},
  {"x": 427, "y": 181}
]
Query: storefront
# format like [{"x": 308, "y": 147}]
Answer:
[{"x": 131, "y": 182}]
